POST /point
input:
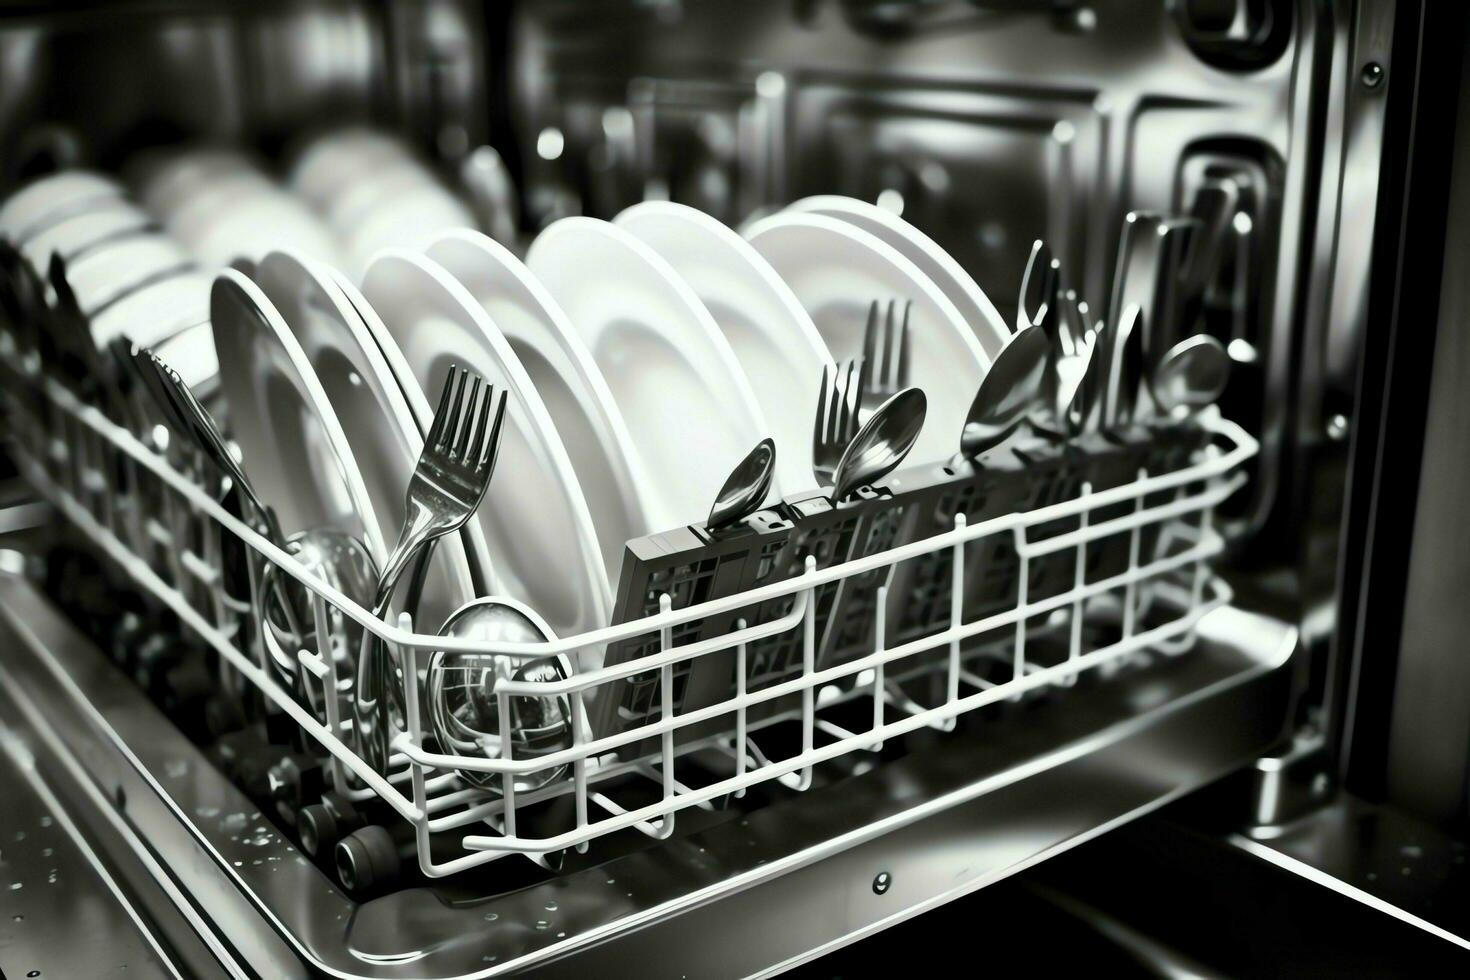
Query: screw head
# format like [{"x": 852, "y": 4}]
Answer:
[
  {"x": 882, "y": 883},
  {"x": 1372, "y": 75}
]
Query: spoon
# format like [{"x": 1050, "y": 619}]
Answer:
[
  {"x": 344, "y": 563},
  {"x": 1190, "y": 376},
  {"x": 1125, "y": 370},
  {"x": 464, "y": 710},
  {"x": 1008, "y": 392},
  {"x": 746, "y": 487},
  {"x": 881, "y": 444}
]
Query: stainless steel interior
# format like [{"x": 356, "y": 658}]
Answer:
[{"x": 990, "y": 123}]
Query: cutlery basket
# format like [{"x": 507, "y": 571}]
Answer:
[{"x": 807, "y": 634}]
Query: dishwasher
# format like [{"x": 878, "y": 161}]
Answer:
[{"x": 1167, "y": 690}]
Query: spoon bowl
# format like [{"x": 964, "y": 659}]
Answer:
[
  {"x": 881, "y": 444},
  {"x": 343, "y": 562},
  {"x": 1008, "y": 392},
  {"x": 463, "y": 704},
  {"x": 1191, "y": 375},
  {"x": 746, "y": 488}
]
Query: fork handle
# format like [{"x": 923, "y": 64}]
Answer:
[{"x": 374, "y": 682}]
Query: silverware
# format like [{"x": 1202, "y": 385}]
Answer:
[
  {"x": 1190, "y": 376},
  {"x": 746, "y": 487},
  {"x": 447, "y": 485},
  {"x": 886, "y": 347},
  {"x": 1036, "y": 286},
  {"x": 1125, "y": 370},
  {"x": 837, "y": 417},
  {"x": 882, "y": 443},
  {"x": 464, "y": 708},
  {"x": 1080, "y": 388},
  {"x": 194, "y": 419},
  {"x": 1008, "y": 393},
  {"x": 1215, "y": 206}
]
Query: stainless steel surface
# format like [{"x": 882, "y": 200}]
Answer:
[
  {"x": 1008, "y": 393},
  {"x": 941, "y": 823},
  {"x": 448, "y": 482},
  {"x": 1126, "y": 365},
  {"x": 881, "y": 445},
  {"x": 747, "y": 487}
]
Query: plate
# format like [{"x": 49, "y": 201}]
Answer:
[
  {"x": 410, "y": 220},
  {"x": 775, "y": 341},
  {"x": 190, "y": 352},
  {"x": 380, "y": 430},
  {"x": 957, "y": 285},
  {"x": 534, "y": 516},
  {"x": 687, "y": 403},
  {"x": 74, "y": 236},
  {"x": 294, "y": 449},
  {"x": 570, "y": 384},
  {"x": 472, "y": 537},
  {"x": 47, "y": 200},
  {"x": 156, "y": 311},
  {"x": 106, "y": 275},
  {"x": 836, "y": 270}
]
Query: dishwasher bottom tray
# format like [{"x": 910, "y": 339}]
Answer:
[{"x": 750, "y": 893}]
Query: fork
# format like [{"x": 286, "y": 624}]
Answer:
[
  {"x": 837, "y": 417},
  {"x": 886, "y": 347},
  {"x": 447, "y": 485}
]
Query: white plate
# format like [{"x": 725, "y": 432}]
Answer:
[
  {"x": 687, "y": 403},
  {"x": 156, "y": 311},
  {"x": 79, "y": 233},
  {"x": 958, "y": 285},
  {"x": 472, "y": 537},
  {"x": 31, "y": 209},
  {"x": 191, "y": 353},
  {"x": 410, "y": 221},
  {"x": 836, "y": 270},
  {"x": 380, "y": 429},
  {"x": 104, "y": 275},
  {"x": 775, "y": 340},
  {"x": 335, "y": 160},
  {"x": 274, "y": 221},
  {"x": 568, "y": 380},
  {"x": 534, "y": 516},
  {"x": 295, "y": 452}
]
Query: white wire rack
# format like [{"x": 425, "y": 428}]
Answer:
[{"x": 150, "y": 525}]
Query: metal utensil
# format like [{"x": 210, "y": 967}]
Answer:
[
  {"x": 837, "y": 418},
  {"x": 746, "y": 487},
  {"x": 447, "y": 485},
  {"x": 1081, "y": 384},
  {"x": 1190, "y": 376},
  {"x": 464, "y": 709},
  {"x": 194, "y": 419},
  {"x": 882, "y": 443},
  {"x": 1125, "y": 370},
  {"x": 1008, "y": 393},
  {"x": 886, "y": 347},
  {"x": 1036, "y": 286}
]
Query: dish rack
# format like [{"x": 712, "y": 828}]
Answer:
[{"x": 1163, "y": 524}]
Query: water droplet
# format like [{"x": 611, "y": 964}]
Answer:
[
  {"x": 551, "y": 906},
  {"x": 239, "y": 863},
  {"x": 612, "y": 881},
  {"x": 541, "y": 924},
  {"x": 1411, "y": 851},
  {"x": 16, "y": 886},
  {"x": 491, "y": 916},
  {"x": 47, "y": 821},
  {"x": 18, "y": 918},
  {"x": 47, "y": 851},
  {"x": 34, "y": 973},
  {"x": 20, "y": 835},
  {"x": 561, "y": 935}
]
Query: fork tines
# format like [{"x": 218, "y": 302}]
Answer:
[
  {"x": 886, "y": 346},
  {"x": 463, "y": 427},
  {"x": 837, "y": 415}
]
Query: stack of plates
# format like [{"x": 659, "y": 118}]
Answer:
[
  {"x": 129, "y": 276},
  {"x": 374, "y": 194}
]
